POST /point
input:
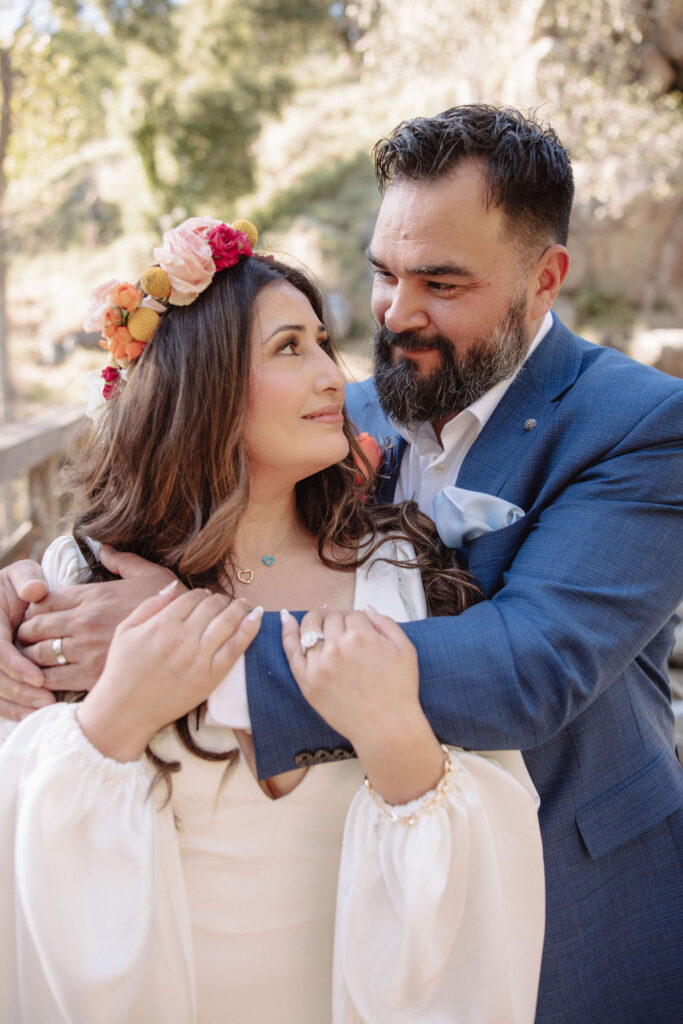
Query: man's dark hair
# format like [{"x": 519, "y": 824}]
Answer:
[{"x": 528, "y": 171}]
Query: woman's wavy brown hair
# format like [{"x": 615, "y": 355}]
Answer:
[{"x": 165, "y": 474}]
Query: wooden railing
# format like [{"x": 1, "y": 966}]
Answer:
[{"x": 30, "y": 456}]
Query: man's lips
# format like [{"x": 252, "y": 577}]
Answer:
[
  {"x": 413, "y": 353},
  {"x": 328, "y": 414}
]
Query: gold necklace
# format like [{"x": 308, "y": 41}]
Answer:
[{"x": 247, "y": 575}]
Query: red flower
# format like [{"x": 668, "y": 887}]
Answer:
[
  {"x": 372, "y": 452},
  {"x": 227, "y": 246},
  {"x": 112, "y": 379}
]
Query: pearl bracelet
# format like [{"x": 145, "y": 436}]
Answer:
[{"x": 427, "y": 803}]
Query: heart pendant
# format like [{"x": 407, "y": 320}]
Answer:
[
  {"x": 245, "y": 575},
  {"x": 268, "y": 560}
]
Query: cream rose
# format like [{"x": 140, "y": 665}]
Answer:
[
  {"x": 100, "y": 301},
  {"x": 186, "y": 257}
]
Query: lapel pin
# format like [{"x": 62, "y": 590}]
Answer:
[{"x": 529, "y": 424}]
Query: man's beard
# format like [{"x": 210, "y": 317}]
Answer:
[{"x": 409, "y": 398}]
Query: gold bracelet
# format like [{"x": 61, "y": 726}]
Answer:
[{"x": 430, "y": 800}]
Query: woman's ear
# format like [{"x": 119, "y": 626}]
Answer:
[{"x": 546, "y": 280}]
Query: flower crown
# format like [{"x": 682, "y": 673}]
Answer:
[{"x": 127, "y": 315}]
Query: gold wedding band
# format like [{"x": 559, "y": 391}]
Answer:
[{"x": 59, "y": 653}]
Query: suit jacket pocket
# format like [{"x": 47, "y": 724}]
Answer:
[
  {"x": 491, "y": 555},
  {"x": 632, "y": 807}
]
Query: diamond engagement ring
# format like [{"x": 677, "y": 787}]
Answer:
[
  {"x": 59, "y": 653},
  {"x": 310, "y": 638}
]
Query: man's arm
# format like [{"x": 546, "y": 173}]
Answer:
[{"x": 591, "y": 586}]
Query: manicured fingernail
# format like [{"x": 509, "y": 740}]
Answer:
[
  {"x": 167, "y": 589},
  {"x": 255, "y": 613},
  {"x": 284, "y": 616},
  {"x": 369, "y": 608}
]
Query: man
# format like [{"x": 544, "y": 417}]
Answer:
[{"x": 566, "y": 656}]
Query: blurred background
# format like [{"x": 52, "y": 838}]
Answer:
[{"x": 120, "y": 119}]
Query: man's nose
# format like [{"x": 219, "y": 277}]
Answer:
[{"x": 405, "y": 312}]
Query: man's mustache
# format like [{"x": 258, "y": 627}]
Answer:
[{"x": 411, "y": 341}]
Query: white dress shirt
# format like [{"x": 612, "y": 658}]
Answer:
[{"x": 428, "y": 465}]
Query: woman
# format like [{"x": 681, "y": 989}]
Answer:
[{"x": 224, "y": 456}]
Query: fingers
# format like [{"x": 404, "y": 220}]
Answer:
[
  {"x": 43, "y": 653},
  {"x": 127, "y": 565},
  {"x": 157, "y": 603},
  {"x": 237, "y": 629},
  {"x": 16, "y": 711},
  {"x": 16, "y": 667},
  {"x": 44, "y": 627},
  {"x": 388, "y": 627},
  {"x": 291, "y": 643},
  {"x": 28, "y": 580}
]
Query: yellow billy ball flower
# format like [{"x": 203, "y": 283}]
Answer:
[
  {"x": 247, "y": 228},
  {"x": 142, "y": 323},
  {"x": 156, "y": 283}
]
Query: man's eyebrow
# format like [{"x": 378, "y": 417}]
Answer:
[
  {"x": 320, "y": 329},
  {"x": 429, "y": 270}
]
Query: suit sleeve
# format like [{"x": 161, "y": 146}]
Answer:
[{"x": 587, "y": 593}]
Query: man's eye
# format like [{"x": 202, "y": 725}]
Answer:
[
  {"x": 383, "y": 275},
  {"x": 442, "y": 287}
]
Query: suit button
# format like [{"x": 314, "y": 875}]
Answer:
[
  {"x": 303, "y": 759},
  {"x": 322, "y": 756},
  {"x": 342, "y": 754}
]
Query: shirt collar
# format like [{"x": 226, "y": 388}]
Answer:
[{"x": 422, "y": 436}]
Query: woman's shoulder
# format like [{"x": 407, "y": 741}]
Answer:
[
  {"x": 64, "y": 561},
  {"x": 394, "y": 590}
]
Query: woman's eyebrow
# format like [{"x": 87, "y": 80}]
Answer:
[
  {"x": 321, "y": 329},
  {"x": 429, "y": 270}
]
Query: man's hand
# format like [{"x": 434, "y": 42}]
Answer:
[
  {"x": 85, "y": 616},
  {"x": 20, "y": 680}
]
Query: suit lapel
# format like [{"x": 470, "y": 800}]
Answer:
[{"x": 520, "y": 420}]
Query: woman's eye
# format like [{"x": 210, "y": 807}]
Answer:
[{"x": 288, "y": 348}]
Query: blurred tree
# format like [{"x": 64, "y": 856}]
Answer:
[{"x": 203, "y": 105}]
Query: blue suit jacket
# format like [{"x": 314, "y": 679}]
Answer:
[{"x": 566, "y": 659}]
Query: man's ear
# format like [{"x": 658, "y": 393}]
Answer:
[{"x": 546, "y": 280}]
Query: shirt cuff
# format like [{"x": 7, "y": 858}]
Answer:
[{"x": 228, "y": 704}]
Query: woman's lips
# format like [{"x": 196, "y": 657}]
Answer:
[{"x": 330, "y": 414}]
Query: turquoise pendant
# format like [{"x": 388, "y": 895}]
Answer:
[{"x": 268, "y": 560}]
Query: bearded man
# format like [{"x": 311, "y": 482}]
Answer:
[{"x": 555, "y": 467}]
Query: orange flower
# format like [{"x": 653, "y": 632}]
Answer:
[
  {"x": 372, "y": 452},
  {"x": 127, "y": 296},
  {"x": 113, "y": 319},
  {"x": 123, "y": 346}
]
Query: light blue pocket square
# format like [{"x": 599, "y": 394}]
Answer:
[{"x": 461, "y": 515}]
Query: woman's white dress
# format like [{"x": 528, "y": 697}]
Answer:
[{"x": 220, "y": 907}]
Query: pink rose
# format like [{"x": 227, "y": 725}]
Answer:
[
  {"x": 100, "y": 301},
  {"x": 186, "y": 257},
  {"x": 228, "y": 245}
]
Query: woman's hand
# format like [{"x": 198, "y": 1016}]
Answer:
[
  {"x": 363, "y": 680},
  {"x": 164, "y": 660}
]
